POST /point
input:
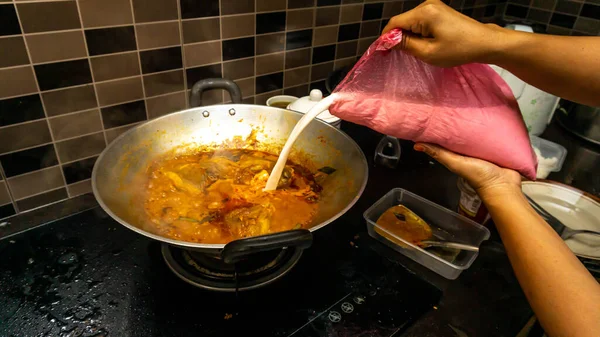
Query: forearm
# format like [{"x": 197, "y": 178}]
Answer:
[
  {"x": 565, "y": 66},
  {"x": 562, "y": 293}
]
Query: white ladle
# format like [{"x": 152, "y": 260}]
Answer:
[{"x": 302, "y": 123}]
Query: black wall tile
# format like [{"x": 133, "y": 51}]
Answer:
[
  {"x": 269, "y": 82},
  {"x": 328, "y": 2},
  {"x": 123, "y": 114},
  {"x": 20, "y": 109},
  {"x": 318, "y": 85},
  {"x": 6, "y": 211},
  {"x": 516, "y": 11},
  {"x": 199, "y": 8},
  {"x": 238, "y": 48},
  {"x": 490, "y": 10},
  {"x": 42, "y": 199},
  {"x": 161, "y": 59},
  {"x": 9, "y": 23},
  {"x": 562, "y": 20},
  {"x": 196, "y": 74},
  {"x": 270, "y": 22},
  {"x": 110, "y": 40},
  {"x": 372, "y": 11},
  {"x": 349, "y": 32},
  {"x": 590, "y": 11},
  {"x": 28, "y": 160},
  {"x": 299, "y": 39},
  {"x": 300, "y": 3},
  {"x": 79, "y": 170},
  {"x": 63, "y": 74},
  {"x": 323, "y": 54},
  {"x": 568, "y": 7}
]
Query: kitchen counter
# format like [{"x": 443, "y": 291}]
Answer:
[{"x": 485, "y": 300}]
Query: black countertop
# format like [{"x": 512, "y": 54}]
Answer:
[{"x": 485, "y": 300}]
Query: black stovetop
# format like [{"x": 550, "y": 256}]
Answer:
[{"x": 89, "y": 276}]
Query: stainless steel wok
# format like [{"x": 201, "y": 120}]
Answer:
[{"x": 120, "y": 170}]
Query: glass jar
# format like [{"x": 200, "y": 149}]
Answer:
[{"x": 470, "y": 205}]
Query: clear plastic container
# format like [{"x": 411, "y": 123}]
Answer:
[
  {"x": 445, "y": 225},
  {"x": 548, "y": 151}
]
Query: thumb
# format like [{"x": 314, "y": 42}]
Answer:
[{"x": 454, "y": 162}]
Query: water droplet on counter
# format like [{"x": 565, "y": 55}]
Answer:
[{"x": 68, "y": 258}]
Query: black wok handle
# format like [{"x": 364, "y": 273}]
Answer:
[
  {"x": 214, "y": 83},
  {"x": 239, "y": 249}
]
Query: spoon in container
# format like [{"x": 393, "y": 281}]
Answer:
[{"x": 300, "y": 126}]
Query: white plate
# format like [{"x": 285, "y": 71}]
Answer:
[{"x": 574, "y": 209}]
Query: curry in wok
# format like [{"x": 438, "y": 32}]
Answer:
[{"x": 217, "y": 196}]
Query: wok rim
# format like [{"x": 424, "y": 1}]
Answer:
[{"x": 219, "y": 246}]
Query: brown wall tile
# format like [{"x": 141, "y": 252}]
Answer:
[
  {"x": 325, "y": 35},
  {"x": 212, "y": 97},
  {"x": 163, "y": 105},
  {"x": 238, "y": 26},
  {"x": 363, "y": 44},
  {"x": 56, "y": 46},
  {"x": 112, "y": 134},
  {"x": 344, "y": 62},
  {"x": 20, "y": 136},
  {"x": 79, "y": 188},
  {"x": 36, "y": 182},
  {"x": 76, "y": 124},
  {"x": 248, "y": 100},
  {"x": 236, "y": 6},
  {"x": 68, "y": 100},
  {"x": 296, "y": 76},
  {"x": 42, "y": 199},
  {"x": 17, "y": 54},
  {"x": 270, "y": 5},
  {"x": 351, "y": 13},
  {"x": 247, "y": 87},
  {"x": 156, "y": 35},
  {"x": 202, "y": 53},
  {"x": 297, "y": 58},
  {"x": 238, "y": 69},
  {"x": 120, "y": 91},
  {"x": 154, "y": 10},
  {"x": 300, "y": 19},
  {"x": 47, "y": 16},
  {"x": 201, "y": 30},
  {"x": 370, "y": 28},
  {"x": 346, "y": 49},
  {"x": 269, "y": 63},
  {"x": 109, "y": 67},
  {"x": 77, "y": 148},
  {"x": 17, "y": 81},
  {"x": 97, "y": 13},
  {"x": 4, "y": 196},
  {"x": 327, "y": 16},
  {"x": 270, "y": 43},
  {"x": 321, "y": 71},
  {"x": 163, "y": 83}
]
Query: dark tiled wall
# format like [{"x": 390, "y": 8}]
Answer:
[
  {"x": 557, "y": 17},
  {"x": 75, "y": 74}
]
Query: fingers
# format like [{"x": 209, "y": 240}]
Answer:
[
  {"x": 454, "y": 162},
  {"x": 416, "y": 45}
]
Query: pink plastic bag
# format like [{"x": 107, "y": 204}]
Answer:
[{"x": 467, "y": 109}]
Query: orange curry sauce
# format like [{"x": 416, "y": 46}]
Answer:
[{"x": 217, "y": 197}]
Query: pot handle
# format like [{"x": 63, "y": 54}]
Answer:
[
  {"x": 214, "y": 83},
  {"x": 238, "y": 249}
]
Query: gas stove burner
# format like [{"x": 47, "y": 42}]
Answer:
[{"x": 211, "y": 272}]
